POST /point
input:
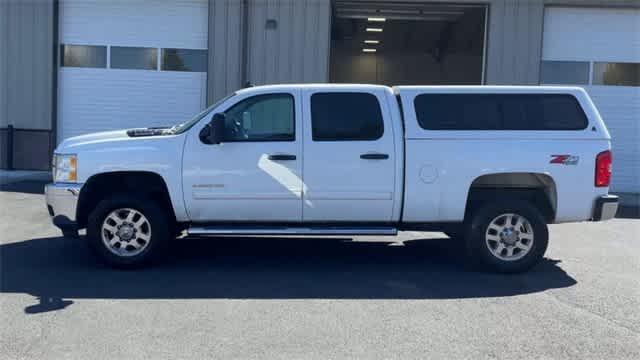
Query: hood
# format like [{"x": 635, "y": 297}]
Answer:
[{"x": 109, "y": 136}]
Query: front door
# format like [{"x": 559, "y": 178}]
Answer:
[
  {"x": 349, "y": 159},
  {"x": 255, "y": 174}
]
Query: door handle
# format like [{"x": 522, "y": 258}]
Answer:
[
  {"x": 374, "y": 156},
  {"x": 281, "y": 157}
]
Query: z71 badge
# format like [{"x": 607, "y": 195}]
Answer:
[{"x": 564, "y": 159}]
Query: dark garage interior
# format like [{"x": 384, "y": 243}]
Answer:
[{"x": 407, "y": 43}]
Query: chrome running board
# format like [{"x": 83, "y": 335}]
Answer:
[{"x": 288, "y": 230}]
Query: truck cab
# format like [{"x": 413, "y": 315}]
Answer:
[
  {"x": 479, "y": 163},
  {"x": 345, "y": 144}
]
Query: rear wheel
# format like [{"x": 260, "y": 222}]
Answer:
[
  {"x": 128, "y": 231},
  {"x": 507, "y": 236}
]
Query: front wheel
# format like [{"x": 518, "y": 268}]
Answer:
[
  {"x": 127, "y": 231},
  {"x": 507, "y": 236}
]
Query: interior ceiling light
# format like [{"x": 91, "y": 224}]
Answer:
[
  {"x": 369, "y": 50},
  {"x": 377, "y": 19},
  {"x": 371, "y": 29},
  {"x": 371, "y": 42}
]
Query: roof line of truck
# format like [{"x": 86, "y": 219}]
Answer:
[{"x": 488, "y": 88}]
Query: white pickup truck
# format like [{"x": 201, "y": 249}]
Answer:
[{"x": 489, "y": 166}]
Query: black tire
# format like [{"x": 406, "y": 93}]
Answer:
[
  {"x": 478, "y": 249},
  {"x": 162, "y": 230}
]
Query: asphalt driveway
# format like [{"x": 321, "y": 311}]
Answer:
[{"x": 289, "y": 298}]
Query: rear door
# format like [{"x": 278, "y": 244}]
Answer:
[{"x": 349, "y": 160}]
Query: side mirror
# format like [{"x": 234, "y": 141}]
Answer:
[{"x": 213, "y": 132}]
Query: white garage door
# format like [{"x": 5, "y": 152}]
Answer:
[
  {"x": 600, "y": 50},
  {"x": 130, "y": 63}
]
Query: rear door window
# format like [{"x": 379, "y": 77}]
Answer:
[
  {"x": 344, "y": 116},
  {"x": 499, "y": 112}
]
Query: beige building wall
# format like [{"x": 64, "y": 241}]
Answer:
[{"x": 26, "y": 81}]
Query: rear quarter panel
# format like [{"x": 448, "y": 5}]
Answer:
[{"x": 439, "y": 174}]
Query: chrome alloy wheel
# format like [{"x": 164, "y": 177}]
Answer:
[
  {"x": 126, "y": 232},
  {"x": 509, "y": 237}
]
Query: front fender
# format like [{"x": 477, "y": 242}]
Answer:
[{"x": 161, "y": 155}]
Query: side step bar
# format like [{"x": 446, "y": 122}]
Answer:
[{"x": 302, "y": 230}]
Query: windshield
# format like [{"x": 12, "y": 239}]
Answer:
[{"x": 180, "y": 128}]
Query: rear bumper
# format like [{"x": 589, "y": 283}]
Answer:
[
  {"x": 62, "y": 201},
  {"x": 605, "y": 207}
]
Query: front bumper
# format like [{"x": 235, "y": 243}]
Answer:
[
  {"x": 605, "y": 207},
  {"x": 62, "y": 201}
]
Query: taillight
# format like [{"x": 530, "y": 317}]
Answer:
[{"x": 603, "y": 169}]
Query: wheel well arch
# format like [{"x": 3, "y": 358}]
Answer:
[
  {"x": 537, "y": 188},
  {"x": 102, "y": 185}
]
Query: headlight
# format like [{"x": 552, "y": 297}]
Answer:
[{"x": 65, "y": 168}]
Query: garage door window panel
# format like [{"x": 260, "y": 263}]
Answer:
[
  {"x": 184, "y": 60},
  {"x": 261, "y": 118},
  {"x": 138, "y": 58},
  {"x": 564, "y": 72},
  {"x": 89, "y": 56},
  {"x": 346, "y": 117},
  {"x": 616, "y": 74}
]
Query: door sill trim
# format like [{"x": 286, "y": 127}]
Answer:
[{"x": 291, "y": 230}]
